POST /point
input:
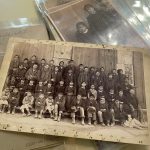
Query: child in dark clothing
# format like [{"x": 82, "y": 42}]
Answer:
[
  {"x": 13, "y": 101},
  {"x": 70, "y": 77},
  {"x": 21, "y": 73},
  {"x": 44, "y": 74},
  {"x": 33, "y": 73},
  {"x": 111, "y": 100},
  {"x": 80, "y": 75},
  {"x": 62, "y": 68},
  {"x": 83, "y": 91},
  {"x": 12, "y": 83},
  {"x": 121, "y": 79},
  {"x": 127, "y": 87},
  {"x": 51, "y": 66},
  {"x": 103, "y": 112},
  {"x": 39, "y": 106},
  {"x": 59, "y": 106},
  {"x": 60, "y": 88},
  {"x": 70, "y": 94},
  {"x": 115, "y": 75},
  {"x": 56, "y": 76},
  {"x": 86, "y": 76},
  {"x": 103, "y": 74},
  {"x": 49, "y": 89},
  {"x": 92, "y": 91},
  {"x": 39, "y": 88},
  {"x": 96, "y": 18},
  {"x": 42, "y": 64},
  {"x": 118, "y": 112},
  {"x": 31, "y": 87},
  {"x": 22, "y": 89},
  {"x": 78, "y": 105},
  {"x": 85, "y": 34},
  {"x": 26, "y": 64},
  {"x": 98, "y": 79},
  {"x": 100, "y": 92},
  {"x": 33, "y": 60},
  {"x": 92, "y": 75},
  {"x": 110, "y": 83},
  {"x": 91, "y": 109},
  {"x": 14, "y": 65},
  {"x": 121, "y": 97},
  {"x": 133, "y": 103}
]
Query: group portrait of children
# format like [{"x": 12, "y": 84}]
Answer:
[{"x": 86, "y": 93}]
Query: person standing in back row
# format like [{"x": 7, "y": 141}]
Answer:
[{"x": 96, "y": 18}]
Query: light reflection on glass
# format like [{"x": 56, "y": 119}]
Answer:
[
  {"x": 146, "y": 10},
  {"x": 137, "y": 4},
  {"x": 109, "y": 35},
  {"x": 141, "y": 17},
  {"x": 132, "y": 20},
  {"x": 147, "y": 36}
]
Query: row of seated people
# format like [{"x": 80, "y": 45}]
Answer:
[
  {"x": 70, "y": 91},
  {"x": 48, "y": 72},
  {"x": 108, "y": 107}
]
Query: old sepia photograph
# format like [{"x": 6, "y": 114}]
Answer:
[
  {"x": 93, "y": 21},
  {"x": 75, "y": 90}
]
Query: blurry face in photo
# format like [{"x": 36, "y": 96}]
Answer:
[
  {"x": 90, "y": 10},
  {"x": 82, "y": 28}
]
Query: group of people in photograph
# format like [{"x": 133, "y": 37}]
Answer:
[
  {"x": 98, "y": 21},
  {"x": 85, "y": 93}
]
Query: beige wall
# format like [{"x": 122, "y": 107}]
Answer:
[{"x": 14, "y": 9}]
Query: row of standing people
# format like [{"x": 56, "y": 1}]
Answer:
[{"x": 32, "y": 70}]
